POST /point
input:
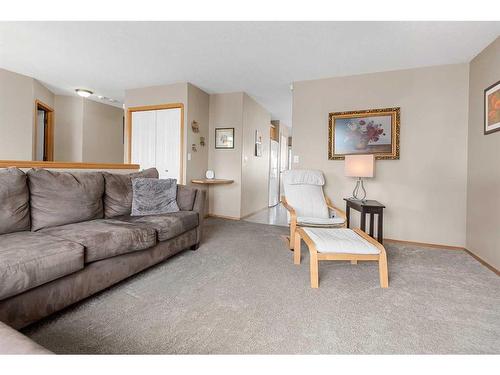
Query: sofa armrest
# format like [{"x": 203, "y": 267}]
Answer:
[
  {"x": 186, "y": 196},
  {"x": 199, "y": 207},
  {"x": 14, "y": 342}
]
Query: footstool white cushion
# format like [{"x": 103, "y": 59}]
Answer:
[{"x": 340, "y": 240}]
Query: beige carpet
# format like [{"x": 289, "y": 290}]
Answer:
[{"x": 241, "y": 293}]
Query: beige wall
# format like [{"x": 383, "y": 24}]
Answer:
[
  {"x": 226, "y": 111},
  {"x": 198, "y": 110},
  {"x": 17, "y": 98},
  {"x": 43, "y": 94},
  {"x": 102, "y": 133},
  {"x": 483, "y": 187},
  {"x": 255, "y": 170},
  {"x": 87, "y": 131},
  {"x": 424, "y": 191},
  {"x": 68, "y": 128},
  {"x": 155, "y": 95}
]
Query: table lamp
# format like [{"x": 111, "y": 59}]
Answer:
[{"x": 359, "y": 166}]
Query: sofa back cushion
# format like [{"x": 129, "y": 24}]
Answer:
[
  {"x": 118, "y": 191},
  {"x": 59, "y": 198},
  {"x": 14, "y": 201}
]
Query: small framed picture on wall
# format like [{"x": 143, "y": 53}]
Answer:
[
  {"x": 224, "y": 138},
  {"x": 258, "y": 143},
  {"x": 492, "y": 108}
]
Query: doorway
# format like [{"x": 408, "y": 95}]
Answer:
[
  {"x": 274, "y": 168},
  {"x": 155, "y": 138},
  {"x": 44, "y": 132}
]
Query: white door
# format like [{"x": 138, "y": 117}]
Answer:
[
  {"x": 156, "y": 141},
  {"x": 168, "y": 143},
  {"x": 144, "y": 138},
  {"x": 274, "y": 177}
]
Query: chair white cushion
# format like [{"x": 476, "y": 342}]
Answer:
[
  {"x": 303, "y": 177},
  {"x": 315, "y": 221},
  {"x": 307, "y": 200},
  {"x": 340, "y": 240}
]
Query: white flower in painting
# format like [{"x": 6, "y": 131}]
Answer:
[{"x": 352, "y": 126}]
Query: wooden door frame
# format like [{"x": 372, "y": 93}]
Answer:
[
  {"x": 128, "y": 129},
  {"x": 49, "y": 132}
]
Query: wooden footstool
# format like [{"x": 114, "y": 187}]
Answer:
[{"x": 340, "y": 244}]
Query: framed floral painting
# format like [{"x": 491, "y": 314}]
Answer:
[
  {"x": 372, "y": 131},
  {"x": 492, "y": 108}
]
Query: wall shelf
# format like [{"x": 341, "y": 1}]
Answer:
[{"x": 213, "y": 181}]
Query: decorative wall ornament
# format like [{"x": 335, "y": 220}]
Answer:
[
  {"x": 492, "y": 108},
  {"x": 195, "y": 127},
  {"x": 202, "y": 141},
  {"x": 193, "y": 147},
  {"x": 373, "y": 131}
]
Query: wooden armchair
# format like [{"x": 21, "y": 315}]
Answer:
[{"x": 306, "y": 203}]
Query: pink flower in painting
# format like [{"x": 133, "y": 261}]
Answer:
[{"x": 361, "y": 133}]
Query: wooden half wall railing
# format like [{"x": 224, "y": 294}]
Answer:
[{"x": 65, "y": 165}]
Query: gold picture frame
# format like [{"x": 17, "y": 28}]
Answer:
[{"x": 372, "y": 131}]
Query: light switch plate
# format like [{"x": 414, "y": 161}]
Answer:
[
  {"x": 189, "y": 156},
  {"x": 295, "y": 159}
]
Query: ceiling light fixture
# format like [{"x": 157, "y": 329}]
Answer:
[{"x": 84, "y": 93}]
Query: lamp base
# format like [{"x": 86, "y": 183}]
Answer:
[{"x": 359, "y": 191}]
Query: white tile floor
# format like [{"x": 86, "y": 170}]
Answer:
[{"x": 273, "y": 215}]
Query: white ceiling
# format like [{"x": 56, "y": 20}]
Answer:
[{"x": 261, "y": 58}]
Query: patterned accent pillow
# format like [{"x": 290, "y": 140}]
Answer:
[{"x": 152, "y": 196}]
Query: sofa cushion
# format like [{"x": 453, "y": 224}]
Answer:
[
  {"x": 106, "y": 238},
  {"x": 59, "y": 198},
  {"x": 167, "y": 226},
  {"x": 185, "y": 197},
  {"x": 152, "y": 196},
  {"x": 29, "y": 259},
  {"x": 118, "y": 191},
  {"x": 14, "y": 201}
]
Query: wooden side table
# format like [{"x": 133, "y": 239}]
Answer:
[{"x": 367, "y": 207}]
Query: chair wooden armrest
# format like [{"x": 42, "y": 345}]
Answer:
[
  {"x": 341, "y": 212},
  {"x": 293, "y": 214},
  {"x": 293, "y": 221}
]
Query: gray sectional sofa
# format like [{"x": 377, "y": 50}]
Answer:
[{"x": 65, "y": 236}]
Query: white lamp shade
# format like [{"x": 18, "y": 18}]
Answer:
[{"x": 359, "y": 165}]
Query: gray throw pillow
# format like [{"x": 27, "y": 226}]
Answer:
[{"x": 152, "y": 196}]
